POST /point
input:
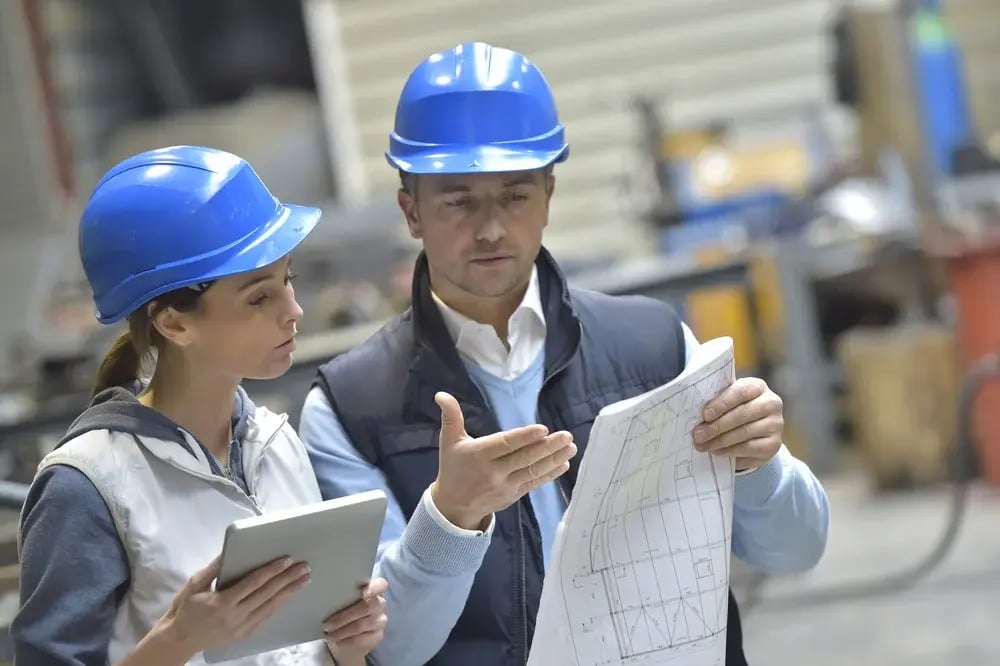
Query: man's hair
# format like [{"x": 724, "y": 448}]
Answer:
[{"x": 407, "y": 182}]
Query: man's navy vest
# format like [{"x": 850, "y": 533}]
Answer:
[{"x": 598, "y": 349}]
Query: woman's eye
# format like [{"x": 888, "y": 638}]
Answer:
[{"x": 259, "y": 301}]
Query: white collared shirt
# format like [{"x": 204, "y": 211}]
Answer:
[{"x": 480, "y": 344}]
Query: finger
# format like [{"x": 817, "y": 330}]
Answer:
[
  {"x": 256, "y": 579},
  {"x": 504, "y": 443},
  {"x": 552, "y": 475},
  {"x": 294, "y": 576},
  {"x": 742, "y": 390},
  {"x": 353, "y": 613},
  {"x": 261, "y": 613},
  {"x": 452, "y": 420},
  {"x": 375, "y": 588},
  {"x": 763, "y": 427},
  {"x": 201, "y": 579},
  {"x": 757, "y": 451},
  {"x": 740, "y": 415},
  {"x": 363, "y": 643},
  {"x": 370, "y": 624},
  {"x": 537, "y": 460},
  {"x": 536, "y": 452}
]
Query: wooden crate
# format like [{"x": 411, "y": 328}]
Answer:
[{"x": 902, "y": 400}]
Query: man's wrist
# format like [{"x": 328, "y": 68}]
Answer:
[{"x": 462, "y": 519}]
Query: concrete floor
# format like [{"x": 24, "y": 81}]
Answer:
[{"x": 947, "y": 619}]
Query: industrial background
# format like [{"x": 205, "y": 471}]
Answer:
[{"x": 819, "y": 180}]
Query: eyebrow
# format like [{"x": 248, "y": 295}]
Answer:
[
  {"x": 256, "y": 280},
  {"x": 262, "y": 278}
]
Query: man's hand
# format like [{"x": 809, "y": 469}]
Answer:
[
  {"x": 357, "y": 630},
  {"x": 744, "y": 421},
  {"x": 478, "y": 477}
]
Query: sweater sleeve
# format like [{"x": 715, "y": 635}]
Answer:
[{"x": 74, "y": 573}]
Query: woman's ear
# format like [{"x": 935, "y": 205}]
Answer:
[{"x": 172, "y": 325}]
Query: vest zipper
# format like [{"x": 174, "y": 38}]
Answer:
[
  {"x": 545, "y": 381},
  {"x": 524, "y": 583},
  {"x": 251, "y": 478},
  {"x": 259, "y": 458}
]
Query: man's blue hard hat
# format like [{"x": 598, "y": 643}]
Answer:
[
  {"x": 476, "y": 109},
  {"x": 176, "y": 217}
]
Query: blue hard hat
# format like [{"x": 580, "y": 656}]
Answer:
[
  {"x": 476, "y": 109},
  {"x": 176, "y": 217}
]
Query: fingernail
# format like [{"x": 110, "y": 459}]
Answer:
[
  {"x": 710, "y": 414},
  {"x": 700, "y": 435}
]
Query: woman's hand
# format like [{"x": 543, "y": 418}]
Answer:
[
  {"x": 355, "y": 631},
  {"x": 201, "y": 618}
]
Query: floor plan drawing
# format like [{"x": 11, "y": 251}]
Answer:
[{"x": 640, "y": 568}]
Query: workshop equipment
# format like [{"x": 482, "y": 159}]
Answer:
[
  {"x": 947, "y": 122},
  {"x": 902, "y": 388},
  {"x": 973, "y": 267}
]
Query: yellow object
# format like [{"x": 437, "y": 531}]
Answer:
[
  {"x": 722, "y": 172},
  {"x": 717, "y": 311},
  {"x": 685, "y": 145}
]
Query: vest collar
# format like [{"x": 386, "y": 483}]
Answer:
[
  {"x": 438, "y": 366},
  {"x": 263, "y": 428}
]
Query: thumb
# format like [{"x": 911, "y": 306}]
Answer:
[
  {"x": 452, "y": 421},
  {"x": 201, "y": 579}
]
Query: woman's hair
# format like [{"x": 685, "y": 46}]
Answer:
[{"x": 123, "y": 362}]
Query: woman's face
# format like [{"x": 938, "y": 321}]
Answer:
[{"x": 245, "y": 324}]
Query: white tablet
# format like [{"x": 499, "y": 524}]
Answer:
[{"x": 337, "y": 538}]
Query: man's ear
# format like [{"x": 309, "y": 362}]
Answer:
[
  {"x": 174, "y": 326},
  {"x": 408, "y": 204}
]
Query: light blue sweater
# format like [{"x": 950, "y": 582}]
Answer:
[{"x": 780, "y": 520}]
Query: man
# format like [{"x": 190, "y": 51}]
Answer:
[{"x": 472, "y": 409}]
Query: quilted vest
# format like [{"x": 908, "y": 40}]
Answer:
[{"x": 598, "y": 349}]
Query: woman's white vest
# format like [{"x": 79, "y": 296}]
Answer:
[{"x": 171, "y": 513}]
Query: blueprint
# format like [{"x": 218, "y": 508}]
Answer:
[{"x": 639, "y": 572}]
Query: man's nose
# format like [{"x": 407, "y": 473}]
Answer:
[{"x": 491, "y": 229}]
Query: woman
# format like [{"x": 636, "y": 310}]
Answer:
[{"x": 124, "y": 518}]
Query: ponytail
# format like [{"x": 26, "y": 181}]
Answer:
[
  {"x": 124, "y": 361},
  {"x": 121, "y": 364}
]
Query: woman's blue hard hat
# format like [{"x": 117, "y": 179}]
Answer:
[{"x": 180, "y": 216}]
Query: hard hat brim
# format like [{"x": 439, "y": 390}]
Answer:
[
  {"x": 285, "y": 231},
  {"x": 481, "y": 159}
]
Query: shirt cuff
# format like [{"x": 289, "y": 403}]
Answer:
[
  {"x": 755, "y": 487},
  {"x": 447, "y": 526}
]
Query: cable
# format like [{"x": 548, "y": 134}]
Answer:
[{"x": 963, "y": 464}]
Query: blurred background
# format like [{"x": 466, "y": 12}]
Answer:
[{"x": 819, "y": 180}]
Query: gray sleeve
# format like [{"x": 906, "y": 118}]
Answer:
[{"x": 74, "y": 573}]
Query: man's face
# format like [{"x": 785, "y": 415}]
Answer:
[{"x": 481, "y": 232}]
